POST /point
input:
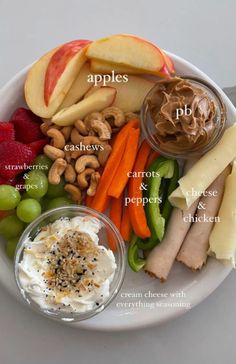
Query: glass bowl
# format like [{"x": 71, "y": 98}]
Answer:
[
  {"x": 107, "y": 228},
  {"x": 149, "y": 129}
]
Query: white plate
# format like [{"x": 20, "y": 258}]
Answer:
[{"x": 134, "y": 312}]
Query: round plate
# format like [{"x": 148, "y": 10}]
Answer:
[{"x": 142, "y": 301}]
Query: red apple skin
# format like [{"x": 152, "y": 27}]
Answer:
[
  {"x": 58, "y": 64},
  {"x": 169, "y": 63}
]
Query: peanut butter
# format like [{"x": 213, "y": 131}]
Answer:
[{"x": 184, "y": 116}]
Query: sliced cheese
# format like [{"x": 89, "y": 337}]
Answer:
[
  {"x": 222, "y": 240},
  {"x": 205, "y": 171}
]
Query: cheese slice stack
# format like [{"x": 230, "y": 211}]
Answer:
[{"x": 222, "y": 240}]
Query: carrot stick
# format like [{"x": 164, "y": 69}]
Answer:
[
  {"x": 126, "y": 228},
  {"x": 116, "y": 211},
  {"x": 136, "y": 211},
  {"x": 115, "y": 216},
  {"x": 88, "y": 200},
  {"x": 101, "y": 198},
  {"x": 126, "y": 165}
]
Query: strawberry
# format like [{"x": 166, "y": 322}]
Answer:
[
  {"x": 37, "y": 146},
  {"x": 25, "y": 114},
  {"x": 4, "y": 181},
  {"x": 27, "y": 126},
  {"x": 7, "y": 131},
  {"x": 14, "y": 158}
]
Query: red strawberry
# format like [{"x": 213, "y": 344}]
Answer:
[
  {"x": 24, "y": 114},
  {"x": 27, "y": 127},
  {"x": 37, "y": 146},
  {"x": 4, "y": 181},
  {"x": 14, "y": 158},
  {"x": 7, "y": 131}
]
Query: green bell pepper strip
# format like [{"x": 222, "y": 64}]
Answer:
[
  {"x": 135, "y": 262},
  {"x": 155, "y": 219},
  {"x": 165, "y": 211},
  {"x": 167, "y": 207}
]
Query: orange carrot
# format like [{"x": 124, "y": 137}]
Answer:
[
  {"x": 153, "y": 155},
  {"x": 126, "y": 165},
  {"x": 126, "y": 228},
  {"x": 136, "y": 210},
  {"x": 88, "y": 200},
  {"x": 116, "y": 211},
  {"x": 115, "y": 216},
  {"x": 101, "y": 199}
]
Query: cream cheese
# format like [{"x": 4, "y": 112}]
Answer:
[{"x": 64, "y": 267}]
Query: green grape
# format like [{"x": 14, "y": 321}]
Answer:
[
  {"x": 36, "y": 184},
  {"x": 9, "y": 197},
  {"x": 28, "y": 210},
  {"x": 11, "y": 227},
  {"x": 56, "y": 190},
  {"x": 10, "y": 246},
  {"x": 43, "y": 162},
  {"x": 25, "y": 195},
  {"x": 58, "y": 202}
]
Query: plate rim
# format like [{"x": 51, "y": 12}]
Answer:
[{"x": 170, "y": 313}]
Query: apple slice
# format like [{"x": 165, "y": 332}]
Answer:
[
  {"x": 99, "y": 100},
  {"x": 129, "y": 50},
  {"x": 106, "y": 68},
  {"x": 63, "y": 67},
  {"x": 130, "y": 95},
  {"x": 35, "y": 82},
  {"x": 79, "y": 87},
  {"x": 168, "y": 62}
]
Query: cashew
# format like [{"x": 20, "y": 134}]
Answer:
[
  {"x": 70, "y": 174},
  {"x": 101, "y": 128},
  {"x": 108, "y": 126},
  {"x": 86, "y": 161},
  {"x": 58, "y": 140},
  {"x": 91, "y": 117},
  {"x": 56, "y": 170},
  {"x": 95, "y": 177},
  {"x": 104, "y": 154},
  {"x": 74, "y": 192},
  {"x": 82, "y": 178},
  {"x": 75, "y": 136},
  {"x": 130, "y": 115},
  {"x": 45, "y": 126},
  {"x": 88, "y": 140},
  {"x": 78, "y": 153},
  {"x": 52, "y": 152},
  {"x": 114, "y": 116},
  {"x": 81, "y": 127},
  {"x": 66, "y": 131}
]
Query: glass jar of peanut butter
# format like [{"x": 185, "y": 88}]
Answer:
[{"x": 183, "y": 117}]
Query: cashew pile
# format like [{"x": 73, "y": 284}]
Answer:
[{"x": 80, "y": 165}]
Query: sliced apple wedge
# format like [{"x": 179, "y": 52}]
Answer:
[
  {"x": 99, "y": 100},
  {"x": 168, "y": 63},
  {"x": 79, "y": 87},
  {"x": 39, "y": 76},
  {"x": 106, "y": 68},
  {"x": 128, "y": 50},
  {"x": 130, "y": 95},
  {"x": 63, "y": 68}
]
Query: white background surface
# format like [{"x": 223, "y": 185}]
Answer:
[{"x": 201, "y": 31}]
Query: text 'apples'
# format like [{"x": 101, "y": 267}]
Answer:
[
  {"x": 130, "y": 95},
  {"x": 98, "y": 101},
  {"x": 127, "y": 50}
]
